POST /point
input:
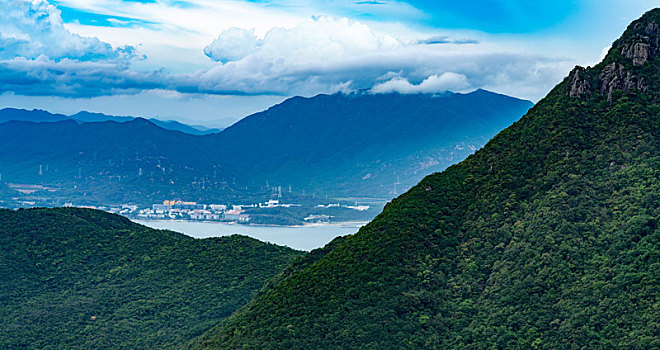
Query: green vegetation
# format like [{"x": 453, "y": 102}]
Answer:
[
  {"x": 547, "y": 238},
  {"x": 296, "y": 215},
  {"x": 84, "y": 279}
]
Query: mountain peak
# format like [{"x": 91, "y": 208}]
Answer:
[
  {"x": 640, "y": 42},
  {"x": 140, "y": 121},
  {"x": 630, "y": 64},
  {"x": 531, "y": 242}
]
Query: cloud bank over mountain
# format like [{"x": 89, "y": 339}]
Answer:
[
  {"x": 319, "y": 55},
  {"x": 434, "y": 83},
  {"x": 279, "y": 50}
]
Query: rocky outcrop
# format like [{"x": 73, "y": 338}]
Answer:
[
  {"x": 577, "y": 83},
  {"x": 614, "y": 77},
  {"x": 639, "y": 46},
  {"x": 643, "y": 45},
  {"x": 638, "y": 52}
]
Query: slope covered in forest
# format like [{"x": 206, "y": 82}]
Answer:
[
  {"x": 546, "y": 238},
  {"x": 85, "y": 279}
]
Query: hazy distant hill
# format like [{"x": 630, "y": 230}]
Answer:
[
  {"x": 90, "y": 117},
  {"x": 83, "y": 279},
  {"x": 547, "y": 238},
  {"x": 35, "y": 115},
  {"x": 336, "y": 145},
  {"x": 165, "y": 124},
  {"x": 40, "y": 116}
]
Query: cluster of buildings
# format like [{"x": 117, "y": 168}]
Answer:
[{"x": 180, "y": 210}]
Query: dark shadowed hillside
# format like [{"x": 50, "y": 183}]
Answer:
[{"x": 547, "y": 238}]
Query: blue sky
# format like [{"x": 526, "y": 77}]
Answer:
[
  {"x": 213, "y": 61},
  {"x": 503, "y": 16}
]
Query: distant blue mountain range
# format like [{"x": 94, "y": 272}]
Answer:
[
  {"x": 41, "y": 116},
  {"x": 355, "y": 145}
]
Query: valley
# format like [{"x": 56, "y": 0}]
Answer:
[{"x": 389, "y": 201}]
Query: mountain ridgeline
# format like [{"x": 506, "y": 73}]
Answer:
[
  {"x": 85, "y": 279},
  {"x": 547, "y": 238},
  {"x": 41, "y": 116},
  {"x": 339, "y": 145},
  {"x": 360, "y": 144}
]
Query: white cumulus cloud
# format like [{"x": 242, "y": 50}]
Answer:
[
  {"x": 315, "y": 41},
  {"x": 233, "y": 44},
  {"x": 448, "y": 81},
  {"x": 39, "y": 56},
  {"x": 34, "y": 28},
  {"x": 327, "y": 54}
]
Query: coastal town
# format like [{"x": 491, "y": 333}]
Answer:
[{"x": 193, "y": 211}]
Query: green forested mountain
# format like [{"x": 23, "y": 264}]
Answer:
[
  {"x": 547, "y": 238},
  {"x": 84, "y": 279}
]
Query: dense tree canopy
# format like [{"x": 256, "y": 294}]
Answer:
[
  {"x": 547, "y": 238},
  {"x": 85, "y": 279}
]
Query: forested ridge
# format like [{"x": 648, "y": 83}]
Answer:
[
  {"x": 85, "y": 279},
  {"x": 547, "y": 238}
]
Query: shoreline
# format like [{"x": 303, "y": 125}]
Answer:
[
  {"x": 307, "y": 237},
  {"x": 351, "y": 224}
]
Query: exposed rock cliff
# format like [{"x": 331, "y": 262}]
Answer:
[
  {"x": 615, "y": 77},
  {"x": 620, "y": 71},
  {"x": 643, "y": 44},
  {"x": 577, "y": 83}
]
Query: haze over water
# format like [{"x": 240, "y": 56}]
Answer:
[{"x": 298, "y": 237}]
